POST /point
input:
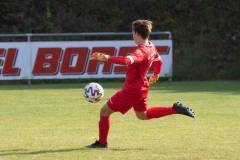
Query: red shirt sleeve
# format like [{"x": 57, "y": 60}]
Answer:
[
  {"x": 157, "y": 62},
  {"x": 137, "y": 56},
  {"x": 120, "y": 60},
  {"x": 157, "y": 66}
]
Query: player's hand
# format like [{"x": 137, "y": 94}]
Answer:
[
  {"x": 99, "y": 56},
  {"x": 153, "y": 78}
]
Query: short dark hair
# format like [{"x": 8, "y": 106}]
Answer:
[{"x": 142, "y": 27}]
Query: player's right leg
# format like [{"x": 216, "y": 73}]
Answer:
[
  {"x": 161, "y": 111},
  {"x": 144, "y": 113},
  {"x": 180, "y": 109}
]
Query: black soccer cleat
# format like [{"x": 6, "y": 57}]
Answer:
[
  {"x": 97, "y": 144},
  {"x": 183, "y": 110}
]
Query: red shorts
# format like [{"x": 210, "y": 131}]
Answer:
[{"x": 122, "y": 101}]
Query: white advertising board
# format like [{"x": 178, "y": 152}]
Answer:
[{"x": 69, "y": 60}]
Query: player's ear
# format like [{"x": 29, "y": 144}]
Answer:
[
  {"x": 134, "y": 32},
  {"x": 137, "y": 34}
]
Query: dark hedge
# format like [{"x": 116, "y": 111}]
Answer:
[{"x": 205, "y": 32}]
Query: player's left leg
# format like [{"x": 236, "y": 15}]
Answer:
[
  {"x": 104, "y": 123},
  {"x": 103, "y": 128},
  {"x": 117, "y": 103}
]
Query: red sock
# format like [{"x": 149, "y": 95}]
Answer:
[
  {"x": 157, "y": 112},
  {"x": 103, "y": 126}
]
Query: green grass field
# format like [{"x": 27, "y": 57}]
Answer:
[{"x": 54, "y": 121}]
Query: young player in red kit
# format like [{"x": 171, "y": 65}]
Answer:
[{"x": 134, "y": 92}]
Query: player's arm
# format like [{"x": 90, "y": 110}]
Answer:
[
  {"x": 157, "y": 62},
  {"x": 114, "y": 59},
  {"x": 127, "y": 60},
  {"x": 135, "y": 57}
]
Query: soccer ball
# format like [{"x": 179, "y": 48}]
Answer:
[{"x": 93, "y": 92}]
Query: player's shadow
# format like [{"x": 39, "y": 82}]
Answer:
[
  {"x": 27, "y": 152},
  {"x": 14, "y": 150}
]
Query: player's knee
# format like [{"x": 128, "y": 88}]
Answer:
[
  {"x": 106, "y": 111},
  {"x": 141, "y": 117}
]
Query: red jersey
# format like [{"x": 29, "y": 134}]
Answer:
[{"x": 139, "y": 62}]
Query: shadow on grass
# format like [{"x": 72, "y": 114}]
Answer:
[
  {"x": 14, "y": 150},
  {"x": 26, "y": 152}
]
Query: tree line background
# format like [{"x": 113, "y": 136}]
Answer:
[{"x": 205, "y": 32}]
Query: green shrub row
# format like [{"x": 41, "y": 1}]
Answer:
[{"x": 205, "y": 33}]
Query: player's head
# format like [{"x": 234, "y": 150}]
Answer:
[{"x": 142, "y": 27}]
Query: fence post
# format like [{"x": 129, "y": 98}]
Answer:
[{"x": 29, "y": 40}]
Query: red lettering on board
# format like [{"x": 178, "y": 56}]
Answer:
[
  {"x": 162, "y": 49},
  {"x": 47, "y": 61},
  {"x": 8, "y": 68},
  {"x": 80, "y": 55},
  {"x": 2, "y": 54}
]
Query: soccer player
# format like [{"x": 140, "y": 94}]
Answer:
[{"x": 134, "y": 92}]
